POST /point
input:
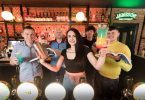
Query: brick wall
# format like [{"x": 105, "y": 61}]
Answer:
[
  {"x": 142, "y": 45},
  {"x": 139, "y": 19}
]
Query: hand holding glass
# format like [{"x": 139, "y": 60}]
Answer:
[
  {"x": 19, "y": 57},
  {"x": 101, "y": 37}
]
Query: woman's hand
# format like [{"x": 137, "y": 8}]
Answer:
[
  {"x": 103, "y": 52},
  {"x": 42, "y": 61}
]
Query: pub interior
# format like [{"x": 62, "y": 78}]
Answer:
[{"x": 47, "y": 16}]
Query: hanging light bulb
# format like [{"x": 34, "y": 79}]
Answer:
[
  {"x": 80, "y": 16},
  {"x": 6, "y": 15}
]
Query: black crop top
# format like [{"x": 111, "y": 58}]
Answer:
[{"x": 73, "y": 65}]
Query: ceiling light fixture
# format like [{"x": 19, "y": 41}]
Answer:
[
  {"x": 80, "y": 16},
  {"x": 8, "y": 16}
]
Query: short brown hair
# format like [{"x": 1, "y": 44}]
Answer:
[
  {"x": 29, "y": 27},
  {"x": 90, "y": 27}
]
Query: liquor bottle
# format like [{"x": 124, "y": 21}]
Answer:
[
  {"x": 47, "y": 16},
  {"x": 102, "y": 17},
  {"x": 54, "y": 16},
  {"x": 57, "y": 16},
  {"x": 50, "y": 16},
  {"x": 90, "y": 16},
  {"x": 40, "y": 16}
]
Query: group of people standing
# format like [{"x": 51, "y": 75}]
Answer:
[{"x": 76, "y": 60}]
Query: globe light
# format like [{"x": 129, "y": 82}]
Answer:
[
  {"x": 55, "y": 91},
  {"x": 27, "y": 91},
  {"x": 4, "y": 91},
  {"x": 80, "y": 16},
  {"x": 139, "y": 91},
  {"x": 6, "y": 15},
  {"x": 83, "y": 91}
]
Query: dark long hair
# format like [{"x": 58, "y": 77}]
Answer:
[{"x": 79, "y": 48}]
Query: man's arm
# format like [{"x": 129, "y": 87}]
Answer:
[
  {"x": 13, "y": 59},
  {"x": 126, "y": 67}
]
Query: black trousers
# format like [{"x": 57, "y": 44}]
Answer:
[
  {"x": 56, "y": 76},
  {"x": 90, "y": 74},
  {"x": 105, "y": 88}
]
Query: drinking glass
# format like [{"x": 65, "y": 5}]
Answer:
[
  {"x": 19, "y": 57},
  {"x": 101, "y": 37}
]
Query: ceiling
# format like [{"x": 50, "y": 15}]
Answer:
[{"x": 91, "y": 3}]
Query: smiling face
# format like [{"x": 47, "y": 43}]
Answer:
[
  {"x": 29, "y": 36},
  {"x": 113, "y": 35},
  {"x": 71, "y": 37},
  {"x": 58, "y": 34},
  {"x": 90, "y": 34}
]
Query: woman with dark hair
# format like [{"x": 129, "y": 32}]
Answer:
[{"x": 74, "y": 58}]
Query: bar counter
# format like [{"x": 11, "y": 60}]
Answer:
[
  {"x": 6, "y": 70},
  {"x": 4, "y": 62},
  {"x": 137, "y": 71}
]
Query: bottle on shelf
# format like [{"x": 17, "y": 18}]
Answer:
[{"x": 90, "y": 16}]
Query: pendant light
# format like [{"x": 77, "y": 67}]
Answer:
[
  {"x": 8, "y": 16},
  {"x": 80, "y": 17}
]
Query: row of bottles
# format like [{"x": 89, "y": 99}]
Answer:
[
  {"x": 46, "y": 14},
  {"x": 47, "y": 32},
  {"x": 2, "y": 40},
  {"x": 99, "y": 15},
  {"x": 57, "y": 14},
  {"x": 62, "y": 14}
]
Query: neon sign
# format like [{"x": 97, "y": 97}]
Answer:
[{"x": 126, "y": 16}]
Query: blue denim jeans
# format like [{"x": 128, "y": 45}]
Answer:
[
  {"x": 68, "y": 83},
  {"x": 69, "y": 86}
]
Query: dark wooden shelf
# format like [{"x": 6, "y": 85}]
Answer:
[
  {"x": 97, "y": 23},
  {"x": 78, "y": 23},
  {"x": 15, "y": 37},
  {"x": 48, "y": 22},
  {"x": 13, "y": 22},
  {"x": 2, "y": 22}
]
